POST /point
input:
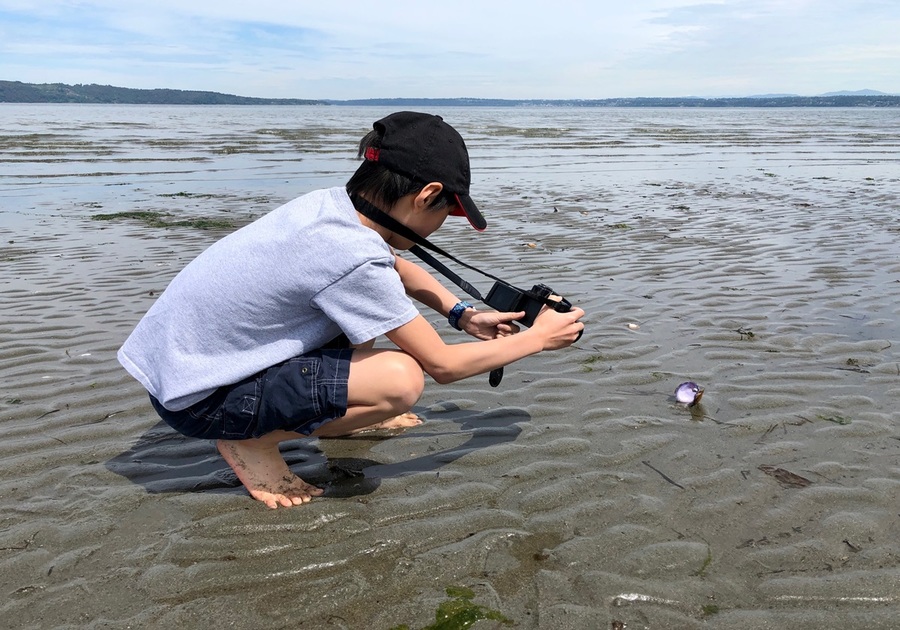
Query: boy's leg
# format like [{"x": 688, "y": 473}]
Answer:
[
  {"x": 382, "y": 385},
  {"x": 401, "y": 421}
]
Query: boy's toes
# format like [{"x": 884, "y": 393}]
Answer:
[
  {"x": 402, "y": 421},
  {"x": 288, "y": 498},
  {"x": 270, "y": 500},
  {"x": 286, "y": 501},
  {"x": 298, "y": 492}
]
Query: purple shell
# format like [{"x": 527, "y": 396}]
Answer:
[{"x": 688, "y": 393}]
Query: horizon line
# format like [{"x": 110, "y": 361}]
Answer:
[{"x": 862, "y": 92}]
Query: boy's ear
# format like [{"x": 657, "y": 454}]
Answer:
[{"x": 429, "y": 194}]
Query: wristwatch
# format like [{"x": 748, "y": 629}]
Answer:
[{"x": 456, "y": 312}]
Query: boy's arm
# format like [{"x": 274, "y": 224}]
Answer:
[
  {"x": 423, "y": 287},
  {"x": 448, "y": 363}
]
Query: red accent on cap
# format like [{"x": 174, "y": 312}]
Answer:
[{"x": 470, "y": 211}]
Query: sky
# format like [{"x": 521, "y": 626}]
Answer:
[{"x": 532, "y": 49}]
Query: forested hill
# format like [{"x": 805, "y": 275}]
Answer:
[
  {"x": 834, "y": 100},
  {"x": 17, "y": 92}
]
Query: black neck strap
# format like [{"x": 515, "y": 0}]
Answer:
[{"x": 387, "y": 221}]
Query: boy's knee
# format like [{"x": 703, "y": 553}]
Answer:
[{"x": 408, "y": 380}]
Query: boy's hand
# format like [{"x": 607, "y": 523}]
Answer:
[
  {"x": 486, "y": 325},
  {"x": 558, "y": 330}
]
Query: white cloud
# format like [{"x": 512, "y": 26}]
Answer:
[{"x": 351, "y": 48}]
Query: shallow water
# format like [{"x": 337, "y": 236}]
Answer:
[{"x": 756, "y": 251}]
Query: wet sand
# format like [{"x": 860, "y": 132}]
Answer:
[{"x": 578, "y": 494}]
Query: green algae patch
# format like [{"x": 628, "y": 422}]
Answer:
[
  {"x": 587, "y": 365},
  {"x": 162, "y": 220},
  {"x": 460, "y": 612},
  {"x": 835, "y": 418},
  {"x": 710, "y": 609},
  {"x": 701, "y": 572},
  {"x": 189, "y": 195}
]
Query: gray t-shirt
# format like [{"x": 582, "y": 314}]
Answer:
[{"x": 285, "y": 284}]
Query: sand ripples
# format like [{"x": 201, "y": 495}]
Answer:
[{"x": 756, "y": 256}]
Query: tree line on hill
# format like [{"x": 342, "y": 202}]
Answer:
[{"x": 18, "y": 92}]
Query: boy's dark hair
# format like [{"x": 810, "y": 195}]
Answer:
[{"x": 385, "y": 187}]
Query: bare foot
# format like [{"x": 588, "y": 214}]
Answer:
[
  {"x": 263, "y": 471},
  {"x": 403, "y": 421}
]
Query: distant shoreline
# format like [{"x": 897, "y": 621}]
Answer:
[{"x": 61, "y": 93}]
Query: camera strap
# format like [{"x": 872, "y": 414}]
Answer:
[{"x": 387, "y": 221}]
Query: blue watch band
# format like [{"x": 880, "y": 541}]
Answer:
[{"x": 456, "y": 312}]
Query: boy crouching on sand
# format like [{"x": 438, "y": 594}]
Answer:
[{"x": 250, "y": 344}]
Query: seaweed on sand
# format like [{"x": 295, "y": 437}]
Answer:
[
  {"x": 160, "y": 220},
  {"x": 460, "y": 612}
]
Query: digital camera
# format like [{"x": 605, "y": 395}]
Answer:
[{"x": 507, "y": 298}]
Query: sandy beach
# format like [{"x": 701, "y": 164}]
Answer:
[{"x": 759, "y": 257}]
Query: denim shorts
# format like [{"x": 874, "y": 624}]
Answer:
[{"x": 298, "y": 395}]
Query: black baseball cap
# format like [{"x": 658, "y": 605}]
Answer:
[{"x": 425, "y": 149}]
